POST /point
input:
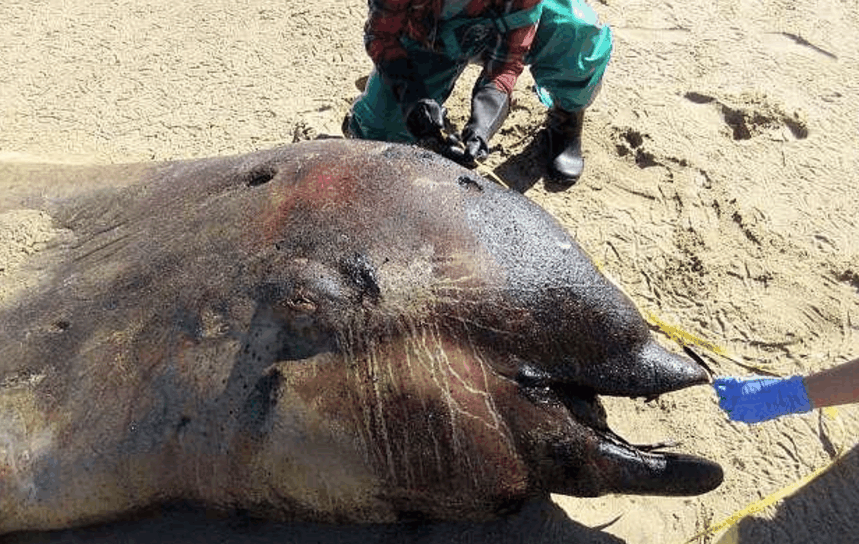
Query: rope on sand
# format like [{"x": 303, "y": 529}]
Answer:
[
  {"x": 732, "y": 535},
  {"x": 730, "y": 524},
  {"x": 485, "y": 171}
]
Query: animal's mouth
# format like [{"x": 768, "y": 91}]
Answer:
[{"x": 608, "y": 463}]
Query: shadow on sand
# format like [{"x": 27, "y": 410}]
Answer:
[
  {"x": 540, "y": 522},
  {"x": 522, "y": 171},
  {"x": 825, "y": 510}
]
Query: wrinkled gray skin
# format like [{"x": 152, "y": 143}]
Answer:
[{"x": 335, "y": 331}]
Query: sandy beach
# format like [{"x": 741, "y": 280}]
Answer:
[{"x": 720, "y": 191}]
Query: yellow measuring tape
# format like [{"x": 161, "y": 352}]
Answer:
[
  {"x": 731, "y": 536},
  {"x": 683, "y": 338},
  {"x": 484, "y": 170}
]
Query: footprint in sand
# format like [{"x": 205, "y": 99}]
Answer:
[{"x": 751, "y": 115}]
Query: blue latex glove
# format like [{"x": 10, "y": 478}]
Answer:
[{"x": 755, "y": 399}]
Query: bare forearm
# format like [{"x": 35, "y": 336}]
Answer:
[{"x": 833, "y": 386}]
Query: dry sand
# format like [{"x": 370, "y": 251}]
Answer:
[{"x": 720, "y": 191}]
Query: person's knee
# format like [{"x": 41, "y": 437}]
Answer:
[
  {"x": 376, "y": 115},
  {"x": 571, "y": 38},
  {"x": 365, "y": 123},
  {"x": 352, "y": 128},
  {"x": 602, "y": 42}
]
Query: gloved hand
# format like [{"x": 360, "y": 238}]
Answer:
[
  {"x": 756, "y": 399},
  {"x": 489, "y": 109},
  {"x": 425, "y": 119}
]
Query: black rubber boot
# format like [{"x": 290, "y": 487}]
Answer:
[{"x": 565, "y": 145}]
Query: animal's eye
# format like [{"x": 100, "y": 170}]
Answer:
[
  {"x": 302, "y": 304},
  {"x": 314, "y": 286}
]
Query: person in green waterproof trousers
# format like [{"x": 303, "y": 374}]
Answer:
[{"x": 420, "y": 47}]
